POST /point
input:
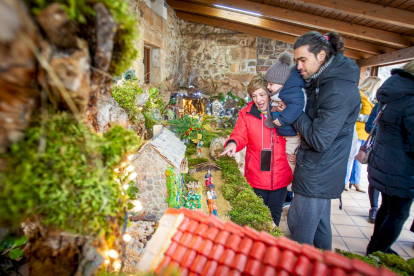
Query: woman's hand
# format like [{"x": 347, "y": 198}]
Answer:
[
  {"x": 229, "y": 150},
  {"x": 291, "y": 158},
  {"x": 276, "y": 122},
  {"x": 281, "y": 105}
]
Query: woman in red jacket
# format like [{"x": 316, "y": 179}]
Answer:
[{"x": 266, "y": 166}]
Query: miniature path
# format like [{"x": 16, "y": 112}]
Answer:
[{"x": 223, "y": 206}]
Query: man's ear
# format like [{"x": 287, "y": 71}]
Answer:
[{"x": 321, "y": 56}]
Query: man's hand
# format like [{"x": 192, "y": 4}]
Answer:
[
  {"x": 281, "y": 105},
  {"x": 291, "y": 158},
  {"x": 276, "y": 122},
  {"x": 229, "y": 150}
]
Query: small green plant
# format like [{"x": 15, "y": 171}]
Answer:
[
  {"x": 126, "y": 95},
  {"x": 11, "y": 253},
  {"x": 187, "y": 127},
  {"x": 174, "y": 191},
  {"x": 196, "y": 161}
]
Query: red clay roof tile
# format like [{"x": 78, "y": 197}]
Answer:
[
  {"x": 268, "y": 239},
  {"x": 235, "y": 273},
  {"x": 186, "y": 239},
  {"x": 188, "y": 259},
  {"x": 222, "y": 238},
  {"x": 239, "y": 263},
  {"x": 245, "y": 246},
  {"x": 210, "y": 268},
  {"x": 233, "y": 242},
  {"x": 253, "y": 268},
  {"x": 215, "y": 222},
  {"x": 319, "y": 269},
  {"x": 198, "y": 216},
  {"x": 312, "y": 253},
  {"x": 286, "y": 244},
  {"x": 163, "y": 265},
  {"x": 336, "y": 271},
  {"x": 268, "y": 271},
  {"x": 205, "y": 248},
  {"x": 186, "y": 212},
  {"x": 302, "y": 266},
  {"x": 170, "y": 251},
  {"x": 271, "y": 256},
  {"x": 337, "y": 260},
  {"x": 184, "y": 224},
  {"x": 173, "y": 267},
  {"x": 172, "y": 211},
  {"x": 258, "y": 250},
  {"x": 177, "y": 237},
  {"x": 251, "y": 233},
  {"x": 287, "y": 261},
  {"x": 184, "y": 272},
  {"x": 282, "y": 273},
  {"x": 179, "y": 254},
  {"x": 228, "y": 257},
  {"x": 202, "y": 228},
  {"x": 217, "y": 252},
  {"x": 199, "y": 264},
  {"x": 364, "y": 268},
  {"x": 192, "y": 227},
  {"x": 355, "y": 273},
  {"x": 196, "y": 242},
  {"x": 233, "y": 228},
  {"x": 223, "y": 271},
  {"x": 211, "y": 234}
]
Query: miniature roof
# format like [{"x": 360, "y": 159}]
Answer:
[
  {"x": 197, "y": 244},
  {"x": 169, "y": 146}
]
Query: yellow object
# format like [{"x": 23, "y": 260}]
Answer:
[
  {"x": 366, "y": 108},
  {"x": 199, "y": 136}
]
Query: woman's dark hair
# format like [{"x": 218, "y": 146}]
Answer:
[{"x": 331, "y": 43}]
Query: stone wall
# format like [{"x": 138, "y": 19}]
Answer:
[
  {"x": 219, "y": 59},
  {"x": 268, "y": 50},
  {"x": 162, "y": 36},
  {"x": 150, "y": 167}
]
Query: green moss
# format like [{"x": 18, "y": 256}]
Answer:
[
  {"x": 63, "y": 174},
  {"x": 190, "y": 150},
  {"x": 196, "y": 161},
  {"x": 247, "y": 208},
  {"x": 126, "y": 95}
]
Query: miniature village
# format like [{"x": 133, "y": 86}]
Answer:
[{"x": 110, "y": 153}]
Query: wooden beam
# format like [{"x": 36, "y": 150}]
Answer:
[
  {"x": 261, "y": 23},
  {"x": 319, "y": 22},
  {"x": 254, "y": 31},
  {"x": 366, "y": 10},
  {"x": 398, "y": 56}
]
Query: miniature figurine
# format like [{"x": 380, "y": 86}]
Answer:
[
  {"x": 184, "y": 166},
  {"x": 212, "y": 207},
  {"x": 200, "y": 144},
  {"x": 212, "y": 191},
  {"x": 209, "y": 178}
]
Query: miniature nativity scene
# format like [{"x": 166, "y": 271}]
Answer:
[{"x": 113, "y": 116}]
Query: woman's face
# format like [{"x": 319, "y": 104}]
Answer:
[{"x": 260, "y": 99}]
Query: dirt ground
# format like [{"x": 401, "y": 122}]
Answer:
[{"x": 223, "y": 206}]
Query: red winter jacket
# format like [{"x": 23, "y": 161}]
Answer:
[{"x": 248, "y": 133}]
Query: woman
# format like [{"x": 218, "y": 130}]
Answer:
[
  {"x": 367, "y": 90},
  {"x": 391, "y": 163},
  {"x": 266, "y": 167}
]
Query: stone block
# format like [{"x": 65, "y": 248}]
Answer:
[
  {"x": 262, "y": 56},
  {"x": 235, "y": 54},
  {"x": 269, "y": 47},
  {"x": 157, "y": 23},
  {"x": 262, "y": 68},
  {"x": 235, "y": 67},
  {"x": 261, "y": 61},
  {"x": 270, "y": 62},
  {"x": 248, "y": 53},
  {"x": 240, "y": 77}
]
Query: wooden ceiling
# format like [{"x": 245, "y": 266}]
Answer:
[{"x": 375, "y": 32}]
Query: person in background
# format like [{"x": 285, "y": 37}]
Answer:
[
  {"x": 266, "y": 164},
  {"x": 391, "y": 162},
  {"x": 367, "y": 89},
  {"x": 326, "y": 127},
  {"x": 372, "y": 192}
]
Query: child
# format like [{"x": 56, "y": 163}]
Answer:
[{"x": 287, "y": 86}]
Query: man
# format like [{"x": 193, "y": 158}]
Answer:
[{"x": 326, "y": 126}]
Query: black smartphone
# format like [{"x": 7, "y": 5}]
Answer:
[{"x": 265, "y": 160}]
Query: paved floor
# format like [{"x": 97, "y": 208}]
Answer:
[{"x": 350, "y": 227}]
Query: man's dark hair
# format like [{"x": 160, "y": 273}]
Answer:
[{"x": 331, "y": 43}]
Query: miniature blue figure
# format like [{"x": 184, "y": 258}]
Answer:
[{"x": 208, "y": 178}]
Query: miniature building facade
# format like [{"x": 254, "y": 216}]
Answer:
[{"x": 163, "y": 150}]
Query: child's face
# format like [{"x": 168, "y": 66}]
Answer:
[
  {"x": 260, "y": 99},
  {"x": 273, "y": 87}
]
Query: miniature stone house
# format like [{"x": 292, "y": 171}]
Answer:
[{"x": 163, "y": 150}]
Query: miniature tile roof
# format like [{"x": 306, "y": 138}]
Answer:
[
  {"x": 169, "y": 146},
  {"x": 197, "y": 244}
]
